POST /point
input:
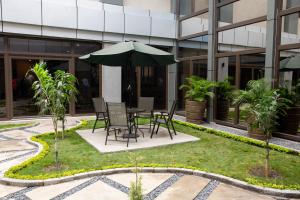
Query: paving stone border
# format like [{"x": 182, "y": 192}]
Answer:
[
  {"x": 217, "y": 177},
  {"x": 34, "y": 124}
]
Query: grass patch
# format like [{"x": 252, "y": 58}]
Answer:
[
  {"x": 212, "y": 153},
  {"x": 14, "y": 125}
]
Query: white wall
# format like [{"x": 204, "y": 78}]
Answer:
[
  {"x": 111, "y": 82},
  {"x": 90, "y": 19}
]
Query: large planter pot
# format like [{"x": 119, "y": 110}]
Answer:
[
  {"x": 289, "y": 124},
  {"x": 195, "y": 111},
  {"x": 256, "y": 133},
  {"x": 223, "y": 109}
]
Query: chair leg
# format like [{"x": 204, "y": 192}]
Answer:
[
  {"x": 107, "y": 133},
  {"x": 135, "y": 135},
  {"x": 116, "y": 134},
  {"x": 153, "y": 130},
  {"x": 168, "y": 127},
  {"x": 157, "y": 128},
  {"x": 128, "y": 137},
  {"x": 97, "y": 116},
  {"x": 173, "y": 127}
]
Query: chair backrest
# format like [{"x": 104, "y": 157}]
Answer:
[
  {"x": 146, "y": 103},
  {"x": 117, "y": 114},
  {"x": 99, "y": 104},
  {"x": 172, "y": 110}
]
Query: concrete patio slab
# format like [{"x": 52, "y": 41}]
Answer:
[
  {"x": 6, "y": 189},
  {"x": 186, "y": 188},
  {"x": 13, "y": 145},
  {"x": 48, "y": 192},
  {"x": 16, "y": 134},
  {"x": 149, "y": 181},
  {"x": 97, "y": 139},
  {"x": 228, "y": 192},
  {"x": 98, "y": 191}
]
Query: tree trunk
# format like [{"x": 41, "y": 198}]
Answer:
[
  {"x": 63, "y": 128},
  {"x": 55, "y": 142},
  {"x": 267, "y": 165}
]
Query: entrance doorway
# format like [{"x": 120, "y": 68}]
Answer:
[{"x": 23, "y": 102}]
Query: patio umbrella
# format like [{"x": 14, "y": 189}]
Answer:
[
  {"x": 290, "y": 64},
  {"x": 130, "y": 54}
]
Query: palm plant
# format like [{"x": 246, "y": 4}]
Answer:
[
  {"x": 197, "y": 89},
  {"x": 267, "y": 110},
  {"x": 225, "y": 90},
  {"x": 252, "y": 95},
  {"x": 52, "y": 94},
  {"x": 66, "y": 90}
]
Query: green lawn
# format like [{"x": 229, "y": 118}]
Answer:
[
  {"x": 212, "y": 153},
  {"x": 13, "y": 125}
]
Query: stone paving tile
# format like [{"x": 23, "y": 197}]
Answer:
[
  {"x": 98, "y": 191},
  {"x": 16, "y": 134},
  {"x": 11, "y": 145},
  {"x": 149, "y": 181},
  {"x": 48, "y": 192},
  {"x": 228, "y": 192},
  {"x": 11, "y": 154},
  {"x": 185, "y": 188},
  {"x": 6, "y": 190}
]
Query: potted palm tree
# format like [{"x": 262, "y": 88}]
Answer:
[
  {"x": 224, "y": 91},
  {"x": 290, "y": 123},
  {"x": 252, "y": 96},
  {"x": 197, "y": 92}
]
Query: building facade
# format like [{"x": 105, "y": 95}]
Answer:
[{"x": 214, "y": 39}]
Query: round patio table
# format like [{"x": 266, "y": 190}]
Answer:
[{"x": 131, "y": 113}]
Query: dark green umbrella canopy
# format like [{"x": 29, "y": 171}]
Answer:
[
  {"x": 130, "y": 53},
  {"x": 290, "y": 63}
]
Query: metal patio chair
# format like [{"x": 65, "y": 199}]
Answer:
[
  {"x": 147, "y": 104},
  {"x": 100, "y": 110},
  {"x": 118, "y": 121},
  {"x": 165, "y": 118}
]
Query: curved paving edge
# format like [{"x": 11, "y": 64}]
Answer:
[
  {"x": 34, "y": 124},
  {"x": 221, "y": 178}
]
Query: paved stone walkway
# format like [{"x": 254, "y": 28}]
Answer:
[
  {"x": 159, "y": 186},
  {"x": 15, "y": 149},
  {"x": 274, "y": 140}
]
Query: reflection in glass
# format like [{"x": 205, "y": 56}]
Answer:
[
  {"x": 2, "y": 89},
  {"x": 194, "y": 25},
  {"x": 153, "y": 84},
  {"x": 88, "y": 86},
  {"x": 22, "y": 92},
  {"x": 183, "y": 71},
  {"x": 242, "y": 10}
]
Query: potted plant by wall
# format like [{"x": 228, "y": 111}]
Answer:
[
  {"x": 252, "y": 96},
  {"x": 290, "y": 123},
  {"x": 224, "y": 91},
  {"x": 197, "y": 92}
]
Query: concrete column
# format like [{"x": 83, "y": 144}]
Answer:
[
  {"x": 212, "y": 48},
  {"x": 172, "y": 82},
  {"x": 271, "y": 40},
  {"x": 111, "y": 82}
]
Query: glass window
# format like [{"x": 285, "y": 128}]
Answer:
[
  {"x": 1, "y": 44},
  {"x": 194, "y": 25},
  {"x": 18, "y": 44},
  {"x": 290, "y": 3},
  {"x": 183, "y": 71},
  {"x": 242, "y": 10},
  {"x": 114, "y": 2},
  {"x": 242, "y": 38},
  {"x": 37, "y": 46},
  {"x": 85, "y": 48},
  {"x": 88, "y": 86},
  {"x": 200, "y": 5},
  {"x": 200, "y": 68},
  {"x": 2, "y": 89},
  {"x": 289, "y": 75},
  {"x": 58, "y": 47},
  {"x": 226, "y": 13},
  {"x": 193, "y": 47},
  {"x": 185, "y": 7},
  {"x": 23, "y": 102},
  {"x": 290, "y": 29}
]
